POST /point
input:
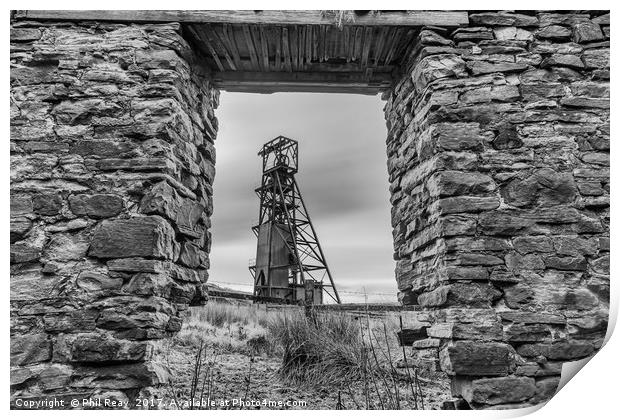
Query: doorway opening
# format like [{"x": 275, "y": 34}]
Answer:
[{"x": 342, "y": 173}]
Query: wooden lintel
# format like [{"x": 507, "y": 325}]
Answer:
[
  {"x": 271, "y": 82},
  {"x": 266, "y": 17}
]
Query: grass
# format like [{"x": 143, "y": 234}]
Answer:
[
  {"x": 228, "y": 327},
  {"x": 328, "y": 350}
]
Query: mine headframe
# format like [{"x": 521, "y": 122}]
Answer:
[{"x": 290, "y": 265}]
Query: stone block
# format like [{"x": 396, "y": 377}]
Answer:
[
  {"x": 30, "y": 348},
  {"x": 502, "y": 19},
  {"x": 546, "y": 389},
  {"x": 186, "y": 214},
  {"x": 471, "y": 258},
  {"x": 481, "y": 67},
  {"x": 98, "y": 348},
  {"x": 465, "y": 204},
  {"x": 562, "y": 60},
  {"x": 587, "y": 32},
  {"x": 464, "y": 294},
  {"x": 147, "y": 236},
  {"x": 554, "y": 33},
  {"x": 562, "y": 350},
  {"x": 529, "y": 244},
  {"x": 22, "y": 253},
  {"x": 503, "y": 223},
  {"x": 493, "y": 391},
  {"x": 457, "y": 225},
  {"x": 21, "y": 204},
  {"x": 192, "y": 256},
  {"x": 507, "y": 138},
  {"x": 466, "y": 331},
  {"x": 47, "y": 204},
  {"x": 31, "y": 285},
  {"x": 449, "y": 183},
  {"x": 20, "y": 375},
  {"x": 96, "y": 205},
  {"x": 19, "y": 227},
  {"x": 523, "y": 333},
  {"x": 545, "y": 188},
  {"x": 473, "y": 358},
  {"x": 55, "y": 377},
  {"x": 458, "y": 136},
  {"x": 92, "y": 281},
  {"x": 74, "y": 321},
  {"x": 25, "y": 34},
  {"x": 127, "y": 376},
  {"x": 67, "y": 247},
  {"x": 533, "y": 317},
  {"x": 436, "y": 67}
]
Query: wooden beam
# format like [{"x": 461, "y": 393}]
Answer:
[
  {"x": 273, "y": 17},
  {"x": 313, "y": 81}
]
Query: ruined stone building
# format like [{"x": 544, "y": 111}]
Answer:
[{"x": 498, "y": 161}]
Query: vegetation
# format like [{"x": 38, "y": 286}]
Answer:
[{"x": 351, "y": 357}]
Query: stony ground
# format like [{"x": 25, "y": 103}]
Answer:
[{"x": 234, "y": 374}]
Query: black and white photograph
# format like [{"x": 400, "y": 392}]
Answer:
[{"x": 307, "y": 209}]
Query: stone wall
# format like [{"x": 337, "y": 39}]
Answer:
[
  {"x": 498, "y": 157},
  {"x": 112, "y": 161}
]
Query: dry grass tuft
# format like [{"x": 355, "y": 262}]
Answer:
[{"x": 323, "y": 350}]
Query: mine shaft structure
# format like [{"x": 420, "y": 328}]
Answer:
[{"x": 290, "y": 265}]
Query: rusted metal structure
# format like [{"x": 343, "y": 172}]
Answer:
[{"x": 290, "y": 264}]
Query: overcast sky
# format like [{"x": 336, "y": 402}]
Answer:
[{"x": 342, "y": 176}]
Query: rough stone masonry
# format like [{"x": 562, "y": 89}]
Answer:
[
  {"x": 112, "y": 161},
  {"x": 498, "y": 158}
]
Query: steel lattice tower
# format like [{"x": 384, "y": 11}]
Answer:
[{"x": 289, "y": 258}]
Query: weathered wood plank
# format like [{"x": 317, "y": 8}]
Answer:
[
  {"x": 229, "y": 39},
  {"x": 277, "y": 34},
  {"x": 281, "y": 17},
  {"x": 250, "y": 45},
  {"x": 345, "y": 44},
  {"x": 315, "y": 42},
  {"x": 367, "y": 44},
  {"x": 322, "y": 42},
  {"x": 308, "y": 44},
  {"x": 263, "y": 47},
  {"x": 199, "y": 34},
  {"x": 380, "y": 43},
  {"x": 293, "y": 46},
  {"x": 394, "y": 42},
  {"x": 286, "y": 50},
  {"x": 357, "y": 53},
  {"x": 214, "y": 38}
]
